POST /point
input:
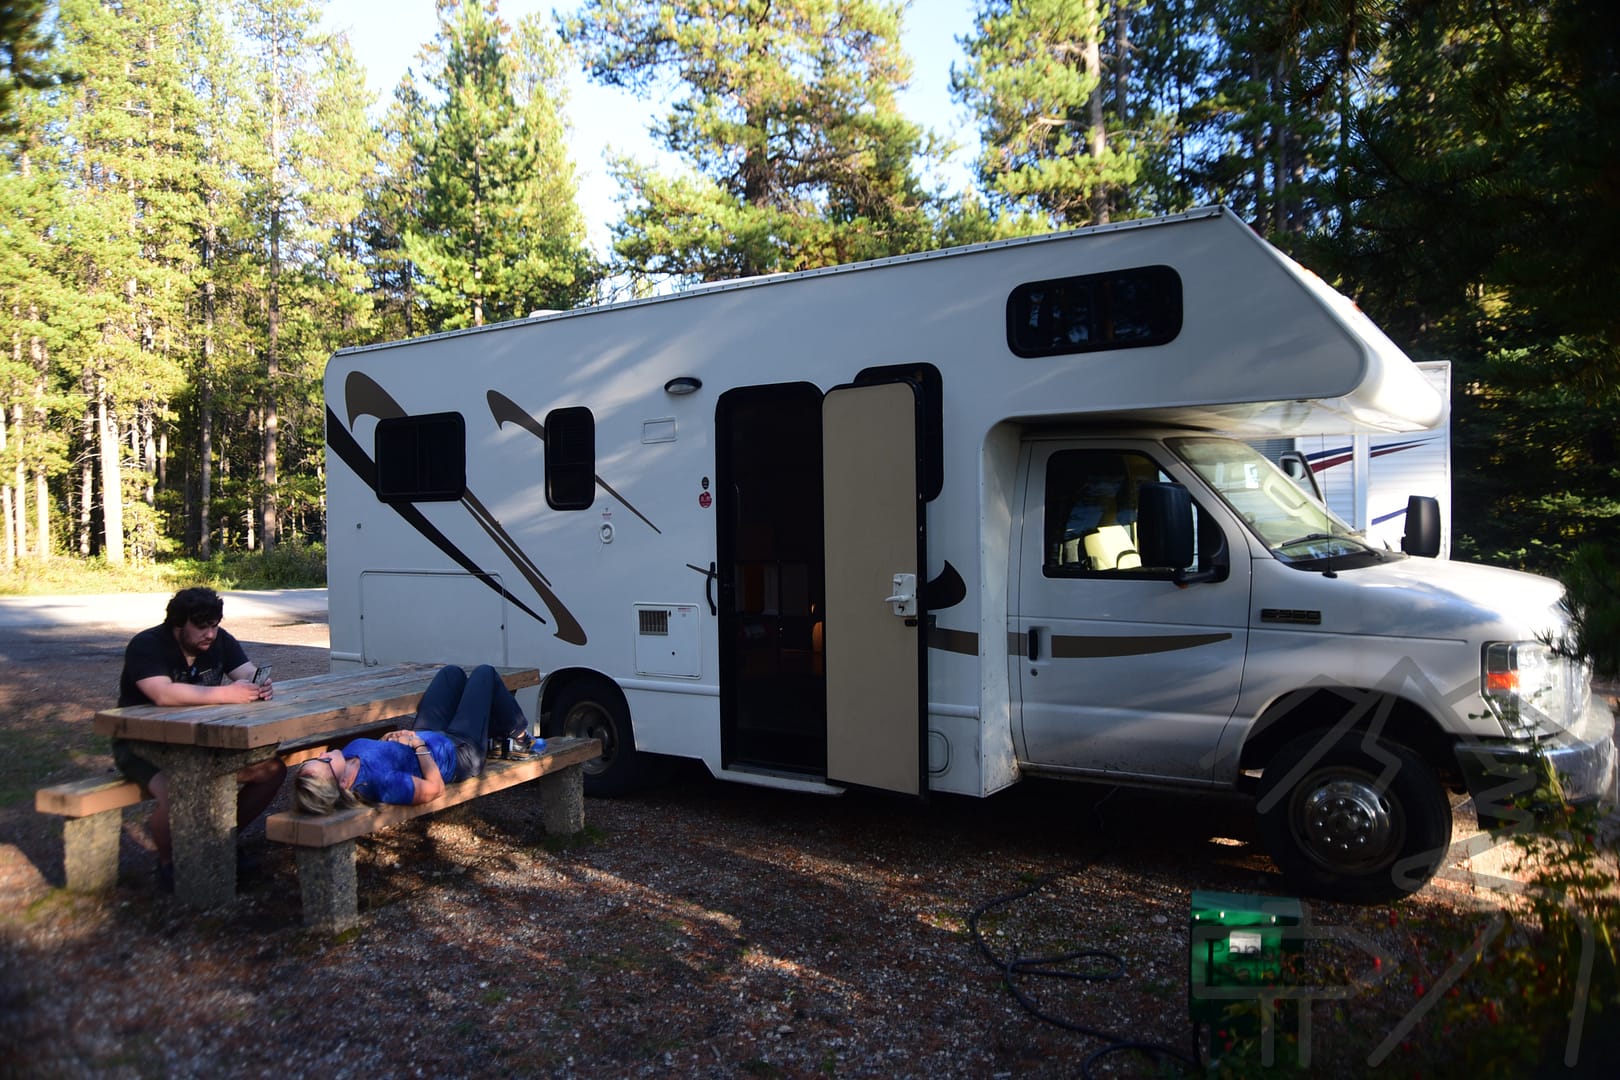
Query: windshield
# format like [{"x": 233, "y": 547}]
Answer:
[{"x": 1292, "y": 524}]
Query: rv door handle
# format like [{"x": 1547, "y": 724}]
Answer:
[
  {"x": 1033, "y": 637},
  {"x": 904, "y": 597}
]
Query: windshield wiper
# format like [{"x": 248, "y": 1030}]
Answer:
[{"x": 1308, "y": 537}]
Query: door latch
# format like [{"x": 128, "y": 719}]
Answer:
[{"x": 905, "y": 595}]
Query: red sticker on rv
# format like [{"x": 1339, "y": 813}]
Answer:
[{"x": 704, "y": 500}]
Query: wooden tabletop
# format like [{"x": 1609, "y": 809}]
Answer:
[{"x": 301, "y": 709}]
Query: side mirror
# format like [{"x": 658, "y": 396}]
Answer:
[
  {"x": 1422, "y": 527},
  {"x": 1164, "y": 525}
]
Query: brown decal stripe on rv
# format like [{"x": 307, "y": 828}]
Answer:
[
  {"x": 507, "y": 411},
  {"x": 964, "y": 642},
  {"x": 1069, "y": 647}
]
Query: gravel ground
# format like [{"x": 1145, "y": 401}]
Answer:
[{"x": 702, "y": 930}]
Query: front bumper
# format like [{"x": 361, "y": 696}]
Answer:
[{"x": 1502, "y": 776}]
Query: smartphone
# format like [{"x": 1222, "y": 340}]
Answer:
[{"x": 261, "y": 674}]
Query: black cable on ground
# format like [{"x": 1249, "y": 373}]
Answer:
[{"x": 1111, "y": 968}]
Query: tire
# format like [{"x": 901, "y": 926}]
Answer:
[
  {"x": 595, "y": 710},
  {"x": 1358, "y": 819}
]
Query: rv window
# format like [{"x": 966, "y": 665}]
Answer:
[
  {"x": 421, "y": 458},
  {"x": 570, "y": 458},
  {"x": 1090, "y": 527},
  {"x": 1122, "y": 309}
]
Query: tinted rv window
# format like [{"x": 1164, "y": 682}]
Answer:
[
  {"x": 570, "y": 458},
  {"x": 1122, "y": 309},
  {"x": 422, "y": 458}
]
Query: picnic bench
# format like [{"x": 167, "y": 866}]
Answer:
[
  {"x": 325, "y": 844},
  {"x": 202, "y": 747}
]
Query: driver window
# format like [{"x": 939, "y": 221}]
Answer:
[{"x": 1090, "y": 524}]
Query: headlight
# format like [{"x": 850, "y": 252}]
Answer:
[{"x": 1531, "y": 690}]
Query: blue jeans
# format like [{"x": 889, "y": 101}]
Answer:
[{"x": 472, "y": 709}]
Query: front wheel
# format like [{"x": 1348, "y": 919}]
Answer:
[
  {"x": 596, "y": 711},
  {"x": 1356, "y": 818}
]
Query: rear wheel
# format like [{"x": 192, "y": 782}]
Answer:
[
  {"x": 1356, "y": 818},
  {"x": 593, "y": 710}
]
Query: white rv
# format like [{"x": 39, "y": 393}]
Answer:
[{"x": 942, "y": 522}]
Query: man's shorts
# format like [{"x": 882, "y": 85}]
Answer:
[{"x": 132, "y": 765}]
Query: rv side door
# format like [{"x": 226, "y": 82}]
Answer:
[{"x": 876, "y": 558}]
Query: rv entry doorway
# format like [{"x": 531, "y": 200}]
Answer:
[{"x": 818, "y": 517}]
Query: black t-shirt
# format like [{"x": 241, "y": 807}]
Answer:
[{"x": 154, "y": 652}]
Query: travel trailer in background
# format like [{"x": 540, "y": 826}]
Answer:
[
  {"x": 1367, "y": 479},
  {"x": 938, "y": 523}
]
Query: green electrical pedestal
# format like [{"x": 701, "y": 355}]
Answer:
[{"x": 1239, "y": 950}]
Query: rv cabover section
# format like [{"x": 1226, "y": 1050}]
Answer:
[{"x": 933, "y": 524}]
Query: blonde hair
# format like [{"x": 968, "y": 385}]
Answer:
[{"x": 317, "y": 791}]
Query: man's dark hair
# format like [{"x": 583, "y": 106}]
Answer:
[{"x": 196, "y": 605}]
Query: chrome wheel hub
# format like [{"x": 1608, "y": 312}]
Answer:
[{"x": 1346, "y": 822}]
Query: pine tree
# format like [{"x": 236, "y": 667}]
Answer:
[
  {"x": 24, "y": 54},
  {"x": 282, "y": 41},
  {"x": 1480, "y": 226},
  {"x": 30, "y": 296},
  {"x": 788, "y": 116},
  {"x": 1040, "y": 75},
  {"x": 497, "y": 232},
  {"x": 131, "y": 121}
]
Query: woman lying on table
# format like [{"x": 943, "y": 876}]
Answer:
[{"x": 458, "y": 716}]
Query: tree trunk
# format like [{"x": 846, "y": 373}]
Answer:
[
  {"x": 8, "y": 543},
  {"x": 112, "y": 482},
  {"x": 1097, "y": 137},
  {"x": 20, "y": 480},
  {"x": 42, "y": 494},
  {"x": 205, "y": 394},
  {"x": 42, "y": 515},
  {"x": 87, "y": 480}
]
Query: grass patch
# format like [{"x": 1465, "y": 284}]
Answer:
[
  {"x": 290, "y": 566},
  {"x": 31, "y": 759}
]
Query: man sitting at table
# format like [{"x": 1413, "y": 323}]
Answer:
[{"x": 190, "y": 660}]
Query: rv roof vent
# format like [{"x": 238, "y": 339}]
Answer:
[{"x": 654, "y": 622}]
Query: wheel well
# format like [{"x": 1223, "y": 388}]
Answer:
[
  {"x": 1319, "y": 709},
  {"x": 567, "y": 678}
]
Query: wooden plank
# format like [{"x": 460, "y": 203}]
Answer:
[
  {"x": 92, "y": 795},
  {"x": 302, "y": 709},
  {"x": 300, "y": 829}
]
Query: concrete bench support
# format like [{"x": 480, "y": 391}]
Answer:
[
  {"x": 94, "y": 809},
  {"x": 326, "y": 845}
]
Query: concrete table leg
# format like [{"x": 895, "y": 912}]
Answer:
[
  {"x": 326, "y": 881},
  {"x": 562, "y": 801},
  {"x": 202, "y": 817},
  {"x": 90, "y": 851}
]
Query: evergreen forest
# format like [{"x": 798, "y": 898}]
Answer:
[{"x": 200, "y": 202}]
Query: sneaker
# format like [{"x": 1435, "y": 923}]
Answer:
[{"x": 165, "y": 878}]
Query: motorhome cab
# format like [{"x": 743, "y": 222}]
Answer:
[{"x": 943, "y": 522}]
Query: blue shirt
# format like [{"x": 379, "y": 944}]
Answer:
[{"x": 388, "y": 769}]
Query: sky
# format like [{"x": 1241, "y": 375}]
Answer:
[{"x": 386, "y": 35}]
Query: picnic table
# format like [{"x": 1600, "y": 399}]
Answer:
[{"x": 200, "y": 748}]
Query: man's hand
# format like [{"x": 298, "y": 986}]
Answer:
[{"x": 240, "y": 693}]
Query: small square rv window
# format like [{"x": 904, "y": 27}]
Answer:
[
  {"x": 570, "y": 458},
  {"x": 421, "y": 458}
]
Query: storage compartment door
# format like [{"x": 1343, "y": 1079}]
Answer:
[{"x": 875, "y": 651}]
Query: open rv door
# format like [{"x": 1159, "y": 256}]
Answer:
[{"x": 876, "y": 653}]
